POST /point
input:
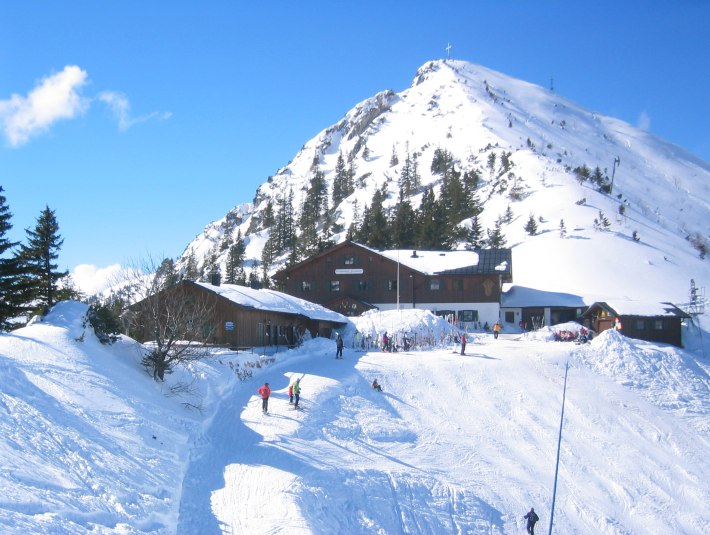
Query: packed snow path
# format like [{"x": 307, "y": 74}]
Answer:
[{"x": 454, "y": 444}]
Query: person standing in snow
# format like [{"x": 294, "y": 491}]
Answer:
[
  {"x": 496, "y": 329},
  {"x": 339, "y": 346},
  {"x": 296, "y": 392},
  {"x": 265, "y": 392},
  {"x": 532, "y": 518},
  {"x": 463, "y": 343},
  {"x": 376, "y": 385},
  {"x": 290, "y": 394}
]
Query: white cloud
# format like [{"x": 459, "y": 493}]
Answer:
[
  {"x": 56, "y": 97},
  {"x": 644, "y": 121},
  {"x": 121, "y": 109},
  {"x": 90, "y": 279}
]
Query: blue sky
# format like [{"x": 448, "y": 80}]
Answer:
[{"x": 140, "y": 122}]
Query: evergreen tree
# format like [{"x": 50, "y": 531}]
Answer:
[
  {"x": 191, "y": 271},
  {"x": 404, "y": 229},
  {"x": 268, "y": 219},
  {"x": 39, "y": 257},
  {"x": 582, "y": 173},
  {"x": 496, "y": 239},
  {"x": 394, "y": 160},
  {"x": 406, "y": 177},
  {"x": 563, "y": 229},
  {"x": 166, "y": 275},
  {"x": 379, "y": 233},
  {"x": 432, "y": 223},
  {"x": 531, "y": 226},
  {"x": 474, "y": 235},
  {"x": 235, "y": 260},
  {"x": 12, "y": 283},
  {"x": 340, "y": 181}
]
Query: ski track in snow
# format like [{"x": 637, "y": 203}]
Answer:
[{"x": 454, "y": 444}]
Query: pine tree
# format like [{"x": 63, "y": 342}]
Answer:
[
  {"x": 404, "y": 229},
  {"x": 394, "y": 160},
  {"x": 40, "y": 255},
  {"x": 166, "y": 274},
  {"x": 531, "y": 226},
  {"x": 12, "y": 282},
  {"x": 496, "y": 239},
  {"x": 432, "y": 223},
  {"x": 474, "y": 235},
  {"x": 191, "y": 271},
  {"x": 340, "y": 181}
]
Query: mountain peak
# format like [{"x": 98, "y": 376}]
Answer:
[{"x": 529, "y": 150}]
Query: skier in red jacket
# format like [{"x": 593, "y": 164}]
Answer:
[{"x": 265, "y": 392}]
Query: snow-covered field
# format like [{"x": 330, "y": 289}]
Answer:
[{"x": 454, "y": 444}]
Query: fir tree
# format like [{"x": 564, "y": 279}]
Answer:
[
  {"x": 474, "y": 235},
  {"x": 13, "y": 285},
  {"x": 40, "y": 255},
  {"x": 166, "y": 274},
  {"x": 432, "y": 223},
  {"x": 496, "y": 239},
  {"x": 191, "y": 271},
  {"x": 340, "y": 181},
  {"x": 394, "y": 160},
  {"x": 404, "y": 229},
  {"x": 531, "y": 226}
]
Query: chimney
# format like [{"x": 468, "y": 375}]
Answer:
[
  {"x": 414, "y": 254},
  {"x": 215, "y": 278}
]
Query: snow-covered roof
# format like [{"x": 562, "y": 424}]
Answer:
[
  {"x": 274, "y": 301},
  {"x": 460, "y": 262},
  {"x": 522, "y": 296},
  {"x": 643, "y": 308}
]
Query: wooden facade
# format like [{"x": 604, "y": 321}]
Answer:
[
  {"x": 351, "y": 279},
  {"x": 243, "y": 325},
  {"x": 662, "y": 325}
]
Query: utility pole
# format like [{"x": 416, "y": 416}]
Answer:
[{"x": 617, "y": 161}]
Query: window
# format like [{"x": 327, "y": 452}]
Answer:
[
  {"x": 305, "y": 286},
  {"x": 468, "y": 315},
  {"x": 658, "y": 325},
  {"x": 334, "y": 286},
  {"x": 362, "y": 285},
  {"x": 640, "y": 325},
  {"x": 391, "y": 285},
  {"x": 510, "y": 317},
  {"x": 458, "y": 284},
  {"x": 434, "y": 284},
  {"x": 349, "y": 260}
]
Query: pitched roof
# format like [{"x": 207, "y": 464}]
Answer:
[
  {"x": 479, "y": 262},
  {"x": 274, "y": 301}
]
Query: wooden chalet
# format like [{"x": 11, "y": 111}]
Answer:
[
  {"x": 243, "y": 317},
  {"x": 351, "y": 279},
  {"x": 654, "y": 322}
]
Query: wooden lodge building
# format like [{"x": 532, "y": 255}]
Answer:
[
  {"x": 653, "y": 322},
  {"x": 351, "y": 279},
  {"x": 242, "y": 317}
]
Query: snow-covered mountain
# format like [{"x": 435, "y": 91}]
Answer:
[{"x": 658, "y": 209}]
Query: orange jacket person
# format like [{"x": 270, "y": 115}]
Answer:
[
  {"x": 496, "y": 329},
  {"x": 265, "y": 392}
]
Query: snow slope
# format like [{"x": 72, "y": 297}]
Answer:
[
  {"x": 477, "y": 113},
  {"x": 455, "y": 443}
]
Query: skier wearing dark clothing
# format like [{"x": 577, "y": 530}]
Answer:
[
  {"x": 532, "y": 518},
  {"x": 265, "y": 392},
  {"x": 339, "y": 345},
  {"x": 463, "y": 343}
]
